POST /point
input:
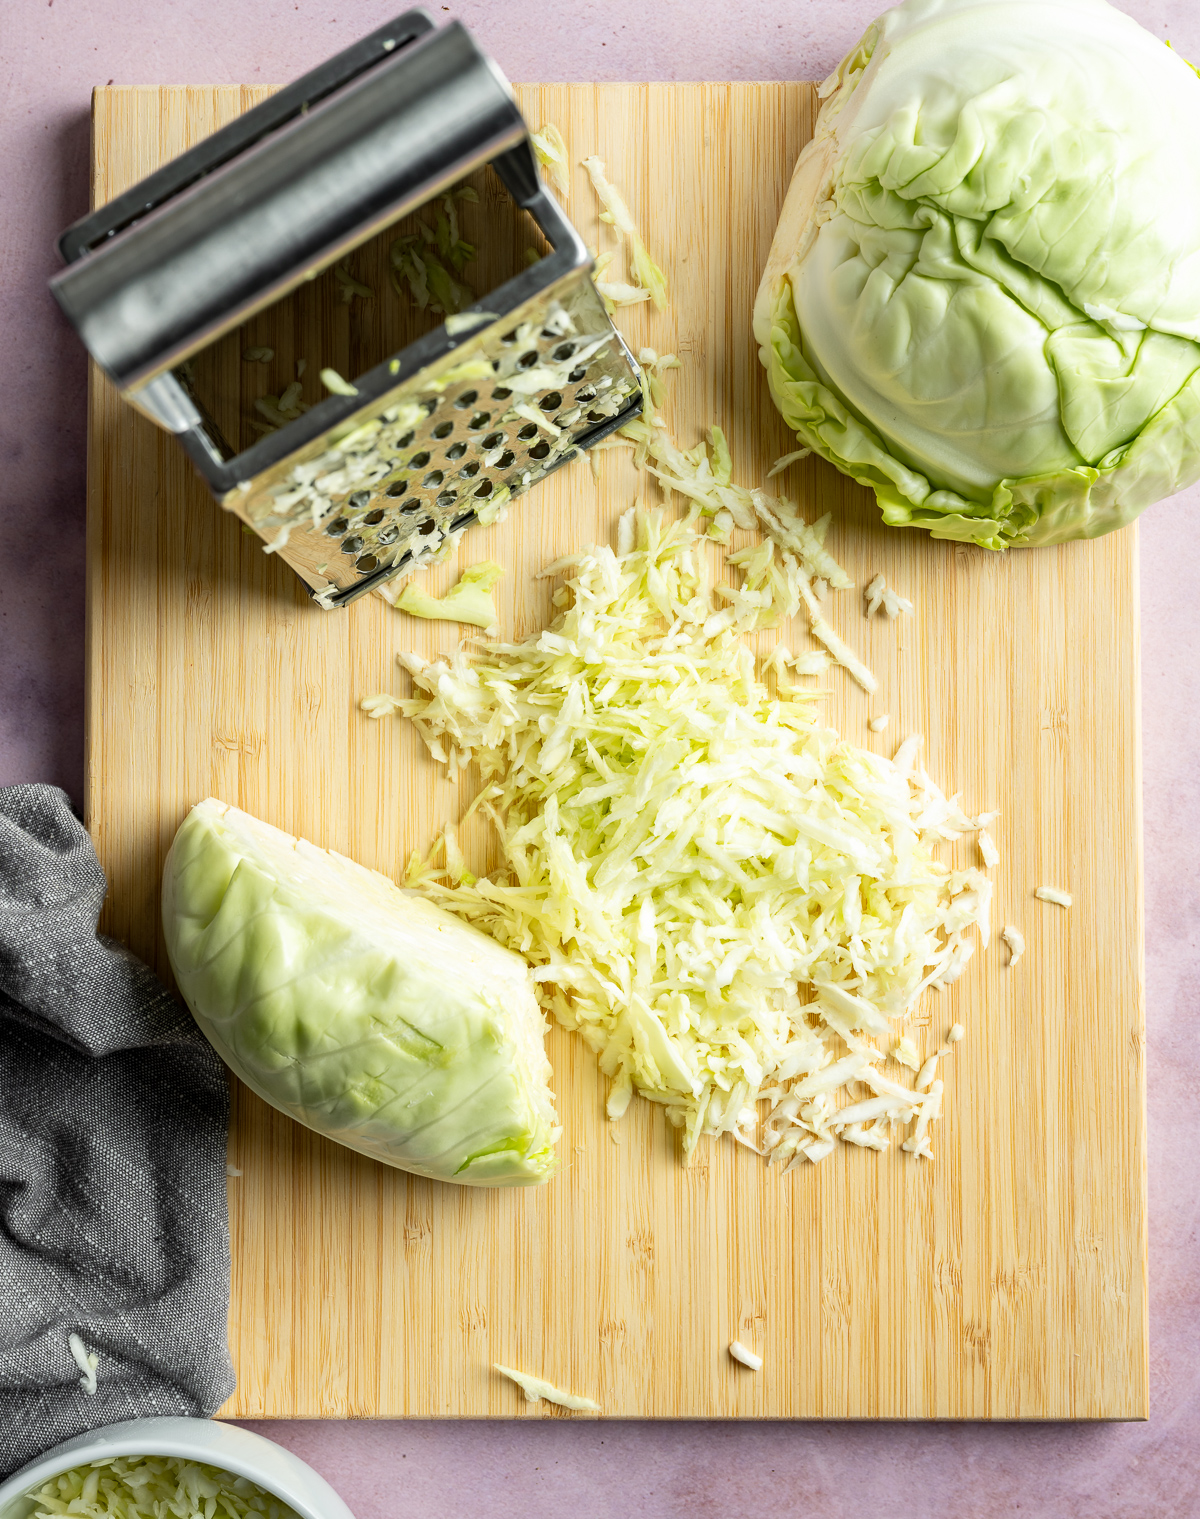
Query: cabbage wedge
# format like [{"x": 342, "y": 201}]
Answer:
[{"x": 360, "y": 1010}]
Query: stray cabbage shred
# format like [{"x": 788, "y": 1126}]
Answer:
[
  {"x": 537, "y": 1387},
  {"x": 729, "y": 902},
  {"x": 551, "y": 149},
  {"x": 650, "y": 277},
  {"x": 468, "y": 600},
  {"x": 155, "y": 1487}
]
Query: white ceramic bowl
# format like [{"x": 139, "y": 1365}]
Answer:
[{"x": 224, "y": 1445}]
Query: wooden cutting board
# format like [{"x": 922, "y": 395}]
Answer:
[{"x": 1006, "y": 1279}]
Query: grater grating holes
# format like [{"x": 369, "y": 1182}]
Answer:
[{"x": 412, "y": 506}]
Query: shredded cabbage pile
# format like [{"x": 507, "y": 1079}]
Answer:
[
  {"x": 704, "y": 476},
  {"x": 728, "y": 901},
  {"x": 155, "y": 1487}
]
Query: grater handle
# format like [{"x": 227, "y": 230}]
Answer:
[
  {"x": 228, "y": 142},
  {"x": 238, "y": 238}
]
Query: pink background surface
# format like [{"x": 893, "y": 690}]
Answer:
[{"x": 51, "y": 53}]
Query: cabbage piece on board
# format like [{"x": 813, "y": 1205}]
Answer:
[
  {"x": 356, "y": 1008},
  {"x": 983, "y": 297}
]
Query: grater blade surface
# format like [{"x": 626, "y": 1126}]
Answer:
[{"x": 397, "y": 483}]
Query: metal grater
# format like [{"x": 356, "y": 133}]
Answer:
[{"x": 442, "y": 433}]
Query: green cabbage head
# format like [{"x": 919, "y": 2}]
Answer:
[
  {"x": 983, "y": 298},
  {"x": 362, "y": 1011}
]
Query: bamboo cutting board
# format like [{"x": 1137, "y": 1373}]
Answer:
[{"x": 1006, "y": 1278}]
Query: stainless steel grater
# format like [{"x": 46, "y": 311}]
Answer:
[{"x": 443, "y": 432}]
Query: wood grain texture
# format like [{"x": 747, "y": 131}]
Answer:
[{"x": 1006, "y": 1279}]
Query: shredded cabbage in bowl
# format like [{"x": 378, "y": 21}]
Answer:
[
  {"x": 155, "y": 1487},
  {"x": 726, "y": 899}
]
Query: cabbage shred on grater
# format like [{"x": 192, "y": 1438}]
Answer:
[{"x": 442, "y": 433}]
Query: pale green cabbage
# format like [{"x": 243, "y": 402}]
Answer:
[
  {"x": 469, "y": 600},
  {"x": 711, "y": 886},
  {"x": 360, "y": 1010},
  {"x": 649, "y": 276},
  {"x": 537, "y": 1387},
  {"x": 155, "y": 1487},
  {"x": 983, "y": 300},
  {"x": 551, "y": 148}
]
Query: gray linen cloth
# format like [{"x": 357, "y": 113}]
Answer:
[{"x": 113, "y": 1114}]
